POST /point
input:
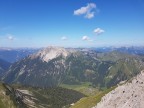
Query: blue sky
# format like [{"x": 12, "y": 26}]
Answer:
[{"x": 71, "y": 23}]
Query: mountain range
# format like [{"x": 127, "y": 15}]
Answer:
[
  {"x": 15, "y": 54},
  {"x": 44, "y": 78},
  {"x": 4, "y": 65},
  {"x": 54, "y": 66}
]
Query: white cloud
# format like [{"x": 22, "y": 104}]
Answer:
[
  {"x": 63, "y": 38},
  {"x": 88, "y": 11},
  {"x": 10, "y": 37},
  {"x": 86, "y": 38},
  {"x": 90, "y": 15},
  {"x": 98, "y": 31}
]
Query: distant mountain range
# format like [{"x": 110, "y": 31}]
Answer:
[
  {"x": 53, "y": 66},
  {"x": 129, "y": 50},
  {"x": 12, "y": 55},
  {"x": 4, "y": 65},
  {"x": 15, "y": 54}
]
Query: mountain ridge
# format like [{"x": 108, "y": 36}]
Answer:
[
  {"x": 4, "y": 65},
  {"x": 70, "y": 66}
]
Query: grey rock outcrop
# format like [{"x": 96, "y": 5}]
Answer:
[{"x": 128, "y": 95}]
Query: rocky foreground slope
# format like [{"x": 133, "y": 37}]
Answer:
[{"x": 128, "y": 95}]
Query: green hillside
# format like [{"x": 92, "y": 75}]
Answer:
[
  {"x": 89, "y": 102},
  {"x": 17, "y": 96},
  {"x": 5, "y": 100}
]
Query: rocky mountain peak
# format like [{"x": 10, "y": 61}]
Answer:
[
  {"x": 128, "y": 95},
  {"x": 50, "y": 53}
]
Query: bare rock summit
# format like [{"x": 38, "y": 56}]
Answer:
[{"x": 51, "y": 52}]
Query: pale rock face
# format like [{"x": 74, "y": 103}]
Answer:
[
  {"x": 128, "y": 95},
  {"x": 51, "y": 52}
]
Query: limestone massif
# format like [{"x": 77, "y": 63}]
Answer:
[{"x": 53, "y": 66}]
